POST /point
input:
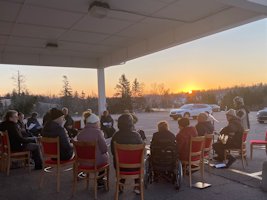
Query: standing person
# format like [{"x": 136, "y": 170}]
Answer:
[
  {"x": 91, "y": 133},
  {"x": 204, "y": 126},
  {"x": 17, "y": 142},
  {"x": 126, "y": 135},
  {"x": 107, "y": 124},
  {"x": 183, "y": 138},
  {"x": 53, "y": 129},
  {"x": 69, "y": 123},
  {"x": 36, "y": 130},
  {"x": 242, "y": 111},
  {"x": 234, "y": 129}
]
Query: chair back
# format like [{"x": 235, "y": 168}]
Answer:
[
  {"x": 266, "y": 136},
  {"x": 6, "y": 143},
  {"x": 196, "y": 145},
  {"x": 244, "y": 138},
  {"x": 85, "y": 152},
  {"x": 50, "y": 147},
  {"x": 129, "y": 156},
  {"x": 77, "y": 124},
  {"x": 208, "y": 142}
]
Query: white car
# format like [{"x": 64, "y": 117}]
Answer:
[{"x": 190, "y": 110}]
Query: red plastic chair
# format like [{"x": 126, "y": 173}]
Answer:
[
  {"x": 77, "y": 125},
  {"x": 262, "y": 145},
  {"x": 9, "y": 155},
  {"x": 129, "y": 156},
  {"x": 206, "y": 150},
  {"x": 237, "y": 152},
  {"x": 50, "y": 149},
  {"x": 195, "y": 156},
  {"x": 86, "y": 152}
]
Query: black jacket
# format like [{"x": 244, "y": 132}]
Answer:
[
  {"x": 52, "y": 130},
  {"x": 235, "y": 126},
  {"x": 125, "y": 135},
  {"x": 204, "y": 127},
  {"x": 163, "y": 135},
  {"x": 106, "y": 119},
  {"x": 47, "y": 117},
  {"x": 69, "y": 121},
  {"x": 17, "y": 142},
  {"x": 35, "y": 130}
]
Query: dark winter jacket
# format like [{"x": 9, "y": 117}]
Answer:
[
  {"x": 52, "y": 130},
  {"x": 17, "y": 142},
  {"x": 23, "y": 131},
  {"x": 125, "y": 135},
  {"x": 36, "y": 129},
  {"x": 204, "y": 127},
  {"x": 163, "y": 135},
  {"x": 106, "y": 119},
  {"x": 69, "y": 121},
  {"x": 242, "y": 112},
  {"x": 183, "y": 141},
  {"x": 235, "y": 126},
  {"x": 47, "y": 117}
]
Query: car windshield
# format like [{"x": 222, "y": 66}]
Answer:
[{"x": 185, "y": 107}]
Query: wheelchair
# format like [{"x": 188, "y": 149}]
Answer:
[{"x": 162, "y": 161}]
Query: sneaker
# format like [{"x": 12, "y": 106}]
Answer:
[
  {"x": 136, "y": 190},
  {"x": 100, "y": 183},
  {"x": 230, "y": 161}
]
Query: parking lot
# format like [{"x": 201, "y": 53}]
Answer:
[{"x": 234, "y": 183}]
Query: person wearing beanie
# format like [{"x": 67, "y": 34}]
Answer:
[
  {"x": 53, "y": 129},
  {"x": 234, "y": 130},
  {"x": 183, "y": 138},
  {"x": 126, "y": 135},
  {"x": 91, "y": 133},
  {"x": 242, "y": 111}
]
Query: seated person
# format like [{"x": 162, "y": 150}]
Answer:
[
  {"x": 135, "y": 119},
  {"x": 183, "y": 138},
  {"x": 17, "y": 142},
  {"x": 163, "y": 132},
  {"x": 91, "y": 133},
  {"x": 126, "y": 135},
  {"x": 204, "y": 126},
  {"x": 235, "y": 132},
  {"x": 108, "y": 128},
  {"x": 21, "y": 125},
  {"x": 47, "y": 117},
  {"x": 69, "y": 123},
  {"x": 36, "y": 130},
  {"x": 53, "y": 129}
]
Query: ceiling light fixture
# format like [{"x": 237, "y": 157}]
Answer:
[
  {"x": 98, "y": 9},
  {"x": 51, "y": 47}
]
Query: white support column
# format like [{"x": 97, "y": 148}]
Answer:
[{"x": 101, "y": 91}]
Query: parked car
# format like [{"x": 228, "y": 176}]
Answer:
[
  {"x": 262, "y": 116},
  {"x": 190, "y": 110},
  {"x": 215, "y": 108}
]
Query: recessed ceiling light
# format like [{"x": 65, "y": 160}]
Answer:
[{"x": 98, "y": 9}]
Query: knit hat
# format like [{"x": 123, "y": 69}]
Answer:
[
  {"x": 55, "y": 113},
  {"x": 183, "y": 122},
  {"x": 92, "y": 119},
  {"x": 239, "y": 99},
  {"x": 231, "y": 112}
]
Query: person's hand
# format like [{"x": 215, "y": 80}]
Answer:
[{"x": 69, "y": 126}]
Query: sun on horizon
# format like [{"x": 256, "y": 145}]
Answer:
[{"x": 190, "y": 92}]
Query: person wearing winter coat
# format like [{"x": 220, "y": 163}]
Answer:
[
  {"x": 91, "y": 133},
  {"x": 183, "y": 138},
  {"x": 107, "y": 128},
  {"x": 234, "y": 130},
  {"x": 242, "y": 112},
  {"x": 47, "y": 117},
  {"x": 17, "y": 142},
  {"x": 163, "y": 133},
  {"x": 53, "y": 129},
  {"x": 36, "y": 130},
  {"x": 69, "y": 123},
  {"x": 204, "y": 126},
  {"x": 126, "y": 135}
]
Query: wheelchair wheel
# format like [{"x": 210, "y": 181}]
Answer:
[
  {"x": 178, "y": 175},
  {"x": 146, "y": 173}
]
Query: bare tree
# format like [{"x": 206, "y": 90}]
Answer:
[{"x": 19, "y": 82}]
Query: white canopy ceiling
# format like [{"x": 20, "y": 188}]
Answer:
[{"x": 132, "y": 28}]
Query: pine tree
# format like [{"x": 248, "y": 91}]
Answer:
[{"x": 66, "y": 94}]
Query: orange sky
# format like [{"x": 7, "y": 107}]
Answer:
[{"x": 233, "y": 57}]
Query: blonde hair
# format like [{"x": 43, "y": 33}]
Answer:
[
  {"x": 86, "y": 114},
  {"x": 163, "y": 126},
  {"x": 9, "y": 114}
]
